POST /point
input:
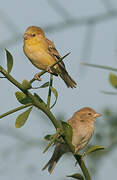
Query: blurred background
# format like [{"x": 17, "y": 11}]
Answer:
[{"x": 87, "y": 29}]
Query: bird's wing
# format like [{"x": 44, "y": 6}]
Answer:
[{"x": 53, "y": 52}]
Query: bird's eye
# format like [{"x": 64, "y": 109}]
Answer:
[
  {"x": 33, "y": 35},
  {"x": 89, "y": 113}
]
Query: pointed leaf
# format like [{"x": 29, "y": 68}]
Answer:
[
  {"x": 26, "y": 84},
  {"x": 113, "y": 80},
  {"x": 67, "y": 130},
  {"x": 53, "y": 139},
  {"x": 48, "y": 137},
  {"x": 55, "y": 94},
  {"x": 9, "y": 61},
  {"x": 67, "y": 133},
  {"x": 22, "y": 118},
  {"x": 48, "y": 146},
  {"x": 22, "y": 98},
  {"x": 93, "y": 149},
  {"x": 77, "y": 176}
]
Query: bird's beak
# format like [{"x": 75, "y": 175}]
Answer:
[
  {"x": 26, "y": 36},
  {"x": 97, "y": 115}
]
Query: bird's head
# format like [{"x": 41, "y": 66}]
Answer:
[
  {"x": 33, "y": 32},
  {"x": 87, "y": 114}
]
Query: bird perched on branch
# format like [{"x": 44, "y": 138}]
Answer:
[
  {"x": 82, "y": 123},
  {"x": 42, "y": 53}
]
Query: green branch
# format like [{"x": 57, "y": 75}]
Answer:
[
  {"x": 79, "y": 159},
  {"x": 15, "y": 110},
  {"x": 37, "y": 102},
  {"x": 82, "y": 166}
]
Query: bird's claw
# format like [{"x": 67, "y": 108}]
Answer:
[
  {"x": 83, "y": 154},
  {"x": 36, "y": 77},
  {"x": 49, "y": 69}
]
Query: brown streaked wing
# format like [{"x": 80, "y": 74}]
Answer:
[{"x": 53, "y": 52}]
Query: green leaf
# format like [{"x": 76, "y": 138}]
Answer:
[
  {"x": 9, "y": 61},
  {"x": 113, "y": 80},
  {"x": 48, "y": 137},
  {"x": 67, "y": 133},
  {"x": 22, "y": 118},
  {"x": 93, "y": 149},
  {"x": 22, "y": 98},
  {"x": 48, "y": 146},
  {"x": 26, "y": 84},
  {"x": 67, "y": 130},
  {"x": 53, "y": 139},
  {"x": 77, "y": 176},
  {"x": 55, "y": 94}
]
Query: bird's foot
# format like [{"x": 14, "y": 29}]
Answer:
[
  {"x": 49, "y": 70},
  {"x": 36, "y": 77},
  {"x": 83, "y": 154}
]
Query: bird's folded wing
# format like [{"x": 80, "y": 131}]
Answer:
[{"x": 53, "y": 52}]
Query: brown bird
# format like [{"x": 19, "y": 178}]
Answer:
[
  {"x": 82, "y": 123},
  {"x": 42, "y": 53}
]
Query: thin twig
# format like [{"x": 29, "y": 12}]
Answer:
[
  {"x": 45, "y": 71},
  {"x": 2, "y": 77},
  {"x": 49, "y": 91},
  {"x": 100, "y": 66},
  {"x": 15, "y": 110}
]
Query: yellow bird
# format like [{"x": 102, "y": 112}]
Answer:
[{"x": 42, "y": 54}]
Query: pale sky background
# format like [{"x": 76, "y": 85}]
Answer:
[{"x": 15, "y": 17}]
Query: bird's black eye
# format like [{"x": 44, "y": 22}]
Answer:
[
  {"x": 89, "y": 113},
  {"x": 33, "y": 35}
]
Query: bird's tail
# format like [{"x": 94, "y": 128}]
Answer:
[
  {"x": 58, "y": 152},
  {"x": 67, "y": 79}
]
